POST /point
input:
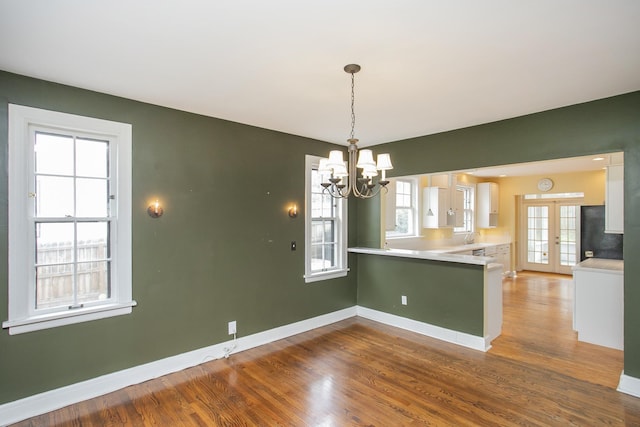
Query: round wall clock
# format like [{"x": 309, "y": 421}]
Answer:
[{"x": 545, "y": 184}]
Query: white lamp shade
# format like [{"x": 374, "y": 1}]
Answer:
[
  {"x": 335, "y": 159},
  {"x": 340, "y": 170},
  {"x": 384, "y": 162},
  {"x": 369, "y": 172},
  {"x": 323, "y": 166},
  {"x": 365, "y": 159}
]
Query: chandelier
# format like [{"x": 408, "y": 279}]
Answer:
[{"x": 341, "y": 179}]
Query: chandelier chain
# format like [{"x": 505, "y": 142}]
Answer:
[{"x": 353, "y": 98}]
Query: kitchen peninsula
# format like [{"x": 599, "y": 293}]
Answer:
[{"x": 450, "y": 296}]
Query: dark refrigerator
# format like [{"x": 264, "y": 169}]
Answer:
[{"x": 594, "y": 239}]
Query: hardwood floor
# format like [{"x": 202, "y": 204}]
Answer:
[{"x": 359, "y": 372}]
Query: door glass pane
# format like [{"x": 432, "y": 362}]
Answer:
[
  {"x": 538, "y": 232},
  {"x": 568, "y": 247},
  {"x": 92, "y": 197},
  {"x": 91, "y": 158},
  {"x": 54, "y": 196},
  {"x": 53, "y": 154}
]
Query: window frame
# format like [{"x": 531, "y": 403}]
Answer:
[
  {"x": 413, "y": 209},
  {"x": 341, "y": 269},
  {"x": 469, "y": 212},
  {"x": 23, "y": 123}
]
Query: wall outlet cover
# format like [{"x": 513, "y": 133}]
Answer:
[{"x": 232, "y": 327}]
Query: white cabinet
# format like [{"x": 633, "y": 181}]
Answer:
[
  {"x": 614, "y": 200},
  {"x": 458, "y": 208},
  {"x": 599, "y": 302},
  {"x": 435, "y": 206},
  {"x": 503, "y": 256},
  {"x": 488, "y": 205}
]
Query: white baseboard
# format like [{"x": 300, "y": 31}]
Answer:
[
  {"x": 449, "y": 335},
  {"x": 629, "y": 385},
  {"x": 48, "y": 401}
]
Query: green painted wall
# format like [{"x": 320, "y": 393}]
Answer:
[
  {"x": 220, "y": 252},
  {"x": 444, "y": 294},
  {"x": 607, "y": 125}
]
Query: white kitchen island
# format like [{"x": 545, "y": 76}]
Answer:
[{"x": 598, "y": 314}]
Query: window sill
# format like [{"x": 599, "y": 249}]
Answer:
[
  {"x": 316, "y": 277},
  {"x": 52, "y": 320}
]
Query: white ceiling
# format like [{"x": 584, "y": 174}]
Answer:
[
  {"x": 427, "y": 66},
  {"x": 547, "y": 167}
]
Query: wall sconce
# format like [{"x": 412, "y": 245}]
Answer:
[
  {"x": 293, "y": 211},
  {"x": 155, "y": 210}
]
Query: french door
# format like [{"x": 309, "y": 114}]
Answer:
[{"x": 550, "y": 236}]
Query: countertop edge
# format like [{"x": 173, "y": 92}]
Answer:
[
  {"x": 601, "y": 265},
  {"x": 426, "y": 255}
]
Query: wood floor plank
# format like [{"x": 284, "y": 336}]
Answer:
[{"x": 361, "y": 373}]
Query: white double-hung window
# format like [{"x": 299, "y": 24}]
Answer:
[
  {"x": 325, "y": 228},
  {"x": 69, "y": 219}
]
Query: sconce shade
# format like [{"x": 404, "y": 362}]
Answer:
[
  {"x": 365, "y": 159},
  {"x": 384, "y": 162}
]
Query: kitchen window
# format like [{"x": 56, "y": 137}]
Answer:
[
  {"x": 69, "y": 219},
  {"x": 466, "y": 194},
  {"x": 402, "y": 208},
  {"x": 325, "y": 228}
]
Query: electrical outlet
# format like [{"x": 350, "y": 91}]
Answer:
[
  {"x": 588, "y": 254},
  {"x": 404, "y": 300},
  {"x": 232, "y": 327}
]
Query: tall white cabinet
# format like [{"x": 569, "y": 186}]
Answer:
[
  {"x": 614, "y": 196},
  {"x": 488, "y": 205}
]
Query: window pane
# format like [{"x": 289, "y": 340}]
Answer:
[
  {"x": 54, "y": 154},
  {"x": 402, "y": 221},
  {"x": 329, "y": 235},
  {"x": 329, "y": 256},
  {"x": 92, "y": 241},
  {"x": 54, "y": 243},
  {"x": 93, "y": 281},
  {"x": 317, "y": 232},
  {"x": 91, "y": 158},
  {"x": 54, "y": 285},
  {"x": 92, "y": 198},
  {"x": 54, "y": 196}
]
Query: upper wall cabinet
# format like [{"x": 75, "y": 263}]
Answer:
[
  {"x": 614, "y": 196},
  {"x": 488, "y": 205},
  {"x": 435, "y": 207}
]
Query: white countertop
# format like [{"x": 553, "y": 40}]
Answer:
[
  {"x": 609, "y": 265},
  {"x": 434, "y": 255}
]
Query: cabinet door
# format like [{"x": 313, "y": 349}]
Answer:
[
  {"x": 458, "y": 208},
  {"x": 434, "y": 207},
  {"x": 488, "y": 202},
  {"x": 614, "y": 200}
]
